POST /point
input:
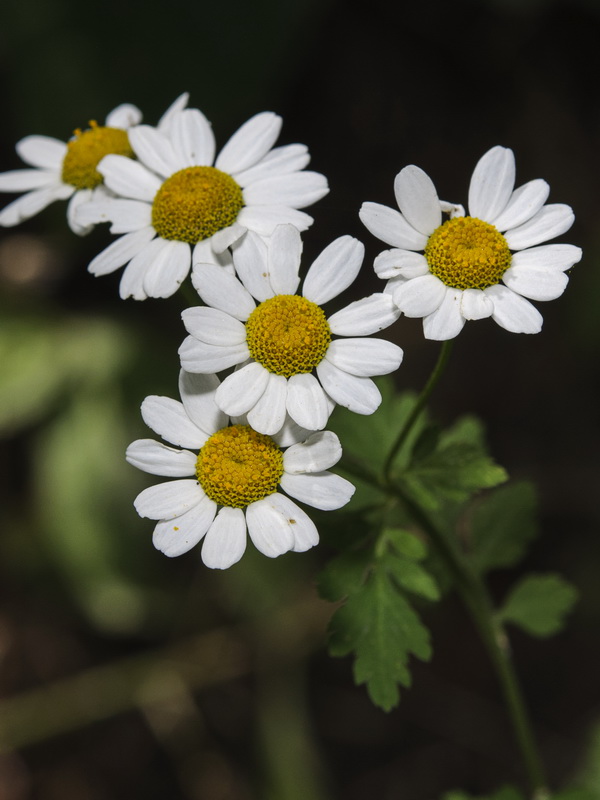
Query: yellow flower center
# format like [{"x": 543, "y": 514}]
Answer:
[
  {"x": 87, "y": 149},
  {"x": 288, "y": 334},
  {"x": 195, "y": 203},
  {"x": 238, "y": 466},
  {"x": 467, "y": 253}
]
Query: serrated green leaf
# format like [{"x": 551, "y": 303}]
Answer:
[
  {"x": 412, "y": 577},
  {"x": 406, "y": 543},
  {"x": 343, "y": 575},
  {"x": 501, "y": 526},
  {"x": 539, "y": 603}
]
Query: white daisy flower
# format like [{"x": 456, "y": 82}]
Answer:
[
  {"x": 179, "y": 204},
  {"x": 69, "y": 169},
  {"x": 477, "y": 266},
  {"x": 229, "y": 483},
  {"x": 279, "y": 342}
]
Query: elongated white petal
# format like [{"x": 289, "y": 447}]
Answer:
[
  {"x": 334, "y": 269},
  {"x": 154, "y": 149},
  {"x": 124, "y": 215},
  {"x": 241, "y": 390},
  {"x": 358, "y": 394},
  {"x": 285, "y": 252},
  {"x": 297, "y": 190},
  {"x": 250, "y": 261},
  {"x": 365, "y": 357},
  {"x": 177, "y": 536},
  {"x": 198, "y": 356},
  {"x": 550, "y": 221},
  {"x": 322, "y": 490},
  {"x": 121, "y": 251},
  {"x": 523, "y": 204},
  {"x": 492, "y": 183},
  {"x": 166, "y": 121},
  {"x": 475, "y": 304},
  {"x": 365, "y": 316},
  {"x": 213, "y": 326},
  {"x": 420, "y": 296},
  {"x": 43, "y": 152},
  {"x": 225, "y": 542},
  {"x": 193, "y": 139},
  {"x": 307, "y": 403},
  {"x": 279, "y": 161},
  {"x": 23, "y": 180},
  {"x": 223, "y": 291},
  {"x": 549, "y": 256},
  {"x": 158, "y": 459},
  {"x": 390, "y": 263},
  {"x": 129, "y": 178},
  {"x": 168, "y": 418},
  {"x": 198, "y": 397},
  {"x": 76, "y": 202},
  {"x": 264, "y": 219},
  {"x": 445, "y": 322},
  {"x": 169, "y": 268},
  {"x": 124, "y": 116},
  {"x": 417, "y": 199},
  {"x": 317, "y": 453},
  {"x": 302, "y": 527},
  {"x": 269, "y": 412},
  {"x": 226, "y": 237},
  {"x": 168, "y": 500},
  {"x": 292, "y": 433},
  {"x": 391, "y": 227},
  {"x": 536, "y": 283},
  {"x": 512, "y": 312},
  {"x": 32, "y": 203},
  {"x": 203, "y": 253},
  {"x": 250, "y": 143},
  {"x": 132, "y": 280},
  {"x": 269, "y": 529}
]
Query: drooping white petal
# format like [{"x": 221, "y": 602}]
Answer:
[
  {"x": 358, "y": 394},
  {"x": 475, "y": 304},
  {"x": 279, "y": 161},
  {"x": 193, "y": 139},
  {"x": 420, "y": 296},
  {"x": 197, "y": 393},
  {"x": 391, "y": 227},
  {"x": 512, "y": 312},
  {"x": 223, "y": 291},
  {"x": 154, "y": 149},
  {"x": 492, "y": 183},
  {"x": 241, "y": 390},
  {"x": 268, "y": 413},
  {"x": 334, "y": 269},
  {"x": 204, "y": 253},
  {"x": 390, "y": 263},
  {"x": 250, "y": 143},
  {"x": 169, "y": 267},
  {"x": 227, "y": 237},
  {"x": 417, "y": 199},
  {"x": 124, "y": 116},
  {"x": 132, "y": 279},
  {"x": 307, "y": 403},
  {"x": 213, "y": 326},
  {"x": 124, "y": 215},
  {"x": 121, "y": 251},
  {"x": 264, "y": 219},
  {"x": 129, "y": 178},
  {"x": 198, "y": 356},
  {"x": 549, "y": 256},
  {"x": 32, "y": 203},
  {"x": 165, "y": 122},
  {"x": 550, "y": 221},
  {"x": 302, "y": 527},
  {"x": 158, "y": 459},
  {"x": 322, "y": 490},
  {"x": 77, "y": 201},
  {"x": 250, "y": 261},
  {"x": 284, "y": 254},
  {"x": 292, "y": 433},
  {"x": 23, "y": 180},
  {"x": 365, "y": 357},
  {"x": 317, "y": 453},
  {"x": 225, "y": 542},
  {"x": 168, "y": 500},
  {"x": 536, "y": 283},
  {"x": 43, "y": 152},
  {"x": 523, "y": 204},
  {"x": 269, "y": 530},
  {"x": 446, "y": 322},
  {"x": 364, "y": 317},
  {"x": 297, "y": 190},
  {"x": 177, "y": 536},
  {"x": 168, "y": 418}
]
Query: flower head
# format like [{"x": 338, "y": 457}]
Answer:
[
  {"x": 477, "y": 266},
  {"x": 228, "y": 483},
  {"x": 70, "y": 169},
  {"x": 278, "y": 339},
  {"x": 178, "y": 204}
]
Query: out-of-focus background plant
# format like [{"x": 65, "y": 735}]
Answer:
[{"x": 125, "y": 674}]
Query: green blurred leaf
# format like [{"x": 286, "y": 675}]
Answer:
[{"x": 539, "y": 603}]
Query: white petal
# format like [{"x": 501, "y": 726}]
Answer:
[
  {"x": 269, "y": 530},
  {"x": 394, "y": 262},
  {"x": 550, "y": 221},
  {"x": 198, "y": 356},
  {"x": 158, "y": 459},
  {"x": 250, "y": 261},
  {"x": 358, "y": 394},
  {"x": 549, "y": 256},
  {"x": 124, "y": 215},
  {"x": 536, "y": 283},
  {"x": 170, "y": 264},
  {"x": 177, "y": 536},
  {"x": 420, "y": 296},
  {"x": 223, "y": 291},
  {"x": 268, "y": 414},
  {"x": 213, "y": 326},
  {"x": 121, "y": 251},
  {"x": 447, "y": 321},
  {"x": 23, "y": 180},
  {"x": 322, "y": 490},
  {"x": 297, "y": 190},
  {"x": 291, "y": 433},
  {"x": 192, "y": 138},
  {"x": 129, "y": 178},
  {"x": 32, "y": 203},
  {"x": 241, "y": 390},
  {"x": 390, "y": 226},
  {"x": 475, "y": 304},
  {"x": 132, "y": 280},
  {"x": 365, "y": 357},
  {"x": 285, "y": 252},
  {"x": 279, "y": 161},
  {"x": 204, "y": 254},
  {"x": 417, "y": 199},
  {"x": 302, "y": 527},
  {"x": 42, "y": 151},
  {"x": 524, "y": 203},
  {"x": 168, "y": 500},
  {"x": 365, "y": 316},
  {"x": 225, "y": 542},
  {"x": 165, "y": 122},
  {"x": 77, "y": 201},
  {"x": 198, "y": 397},
  {"x": 307, "y": 403},
  {"x": 319, "y": 452},
  {"x": 512, "y": 312},
  {"x": 154, "y": 150},
  {"x": 492, "y": 183},
  {"x": 124, "y": 116},
  {"x": 334, "y": 269},
  {"x": 250, "y": 143},
  {"x": 264, "y": 219},
  {"x": 168, "y": 418},
  {"x": 226, "y": 237}
]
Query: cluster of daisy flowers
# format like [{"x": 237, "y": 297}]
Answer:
[{"x": 233, "y": 218}]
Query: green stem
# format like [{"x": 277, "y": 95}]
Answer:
[{"x": 419, "y": 405}]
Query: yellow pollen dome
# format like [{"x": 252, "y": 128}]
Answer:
[
  {"x": 195, "y": 203},
  {"x": 467, "y": 253},
  {"x": 87, "y": 149},
  {"x": 238, "y": 466},
  {"x": 288, "y": 334}
]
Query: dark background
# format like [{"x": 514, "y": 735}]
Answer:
[{"x": 369, "y": 87}]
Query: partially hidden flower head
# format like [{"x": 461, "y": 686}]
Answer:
[
  {"x": 228, "y": 479},
  {"x": 282, "y": 343},
  {"x": 63, "y": 170},
  {"x": 471, "y": 267},
  {"x": 178, "y": 203}
]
